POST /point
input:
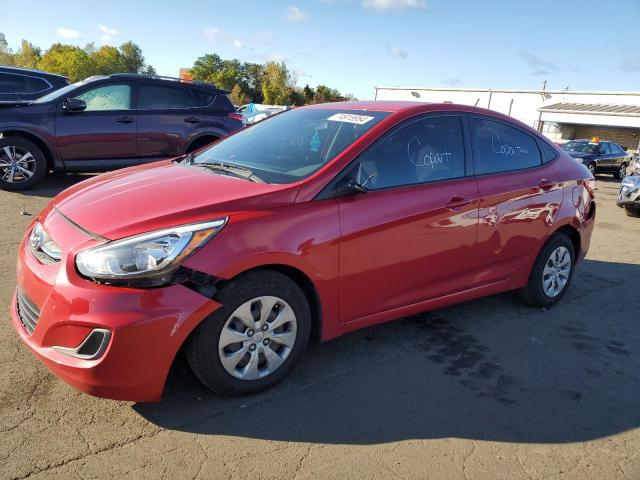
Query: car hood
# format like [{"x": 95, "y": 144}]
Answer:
[{"x": 160, "y": 195}]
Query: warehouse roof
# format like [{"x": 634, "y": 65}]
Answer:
[{"x": 593, "y": 109}]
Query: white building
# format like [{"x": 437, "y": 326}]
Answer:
[{"x": 560, "y": 114}]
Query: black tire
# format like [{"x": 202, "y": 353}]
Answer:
[
  {"x": 533, "y": 293},
  {"x": 592, "y": 168},
  {"x": 620, "y": 174},
  {"x": 632, "y": 212},
  {"x": 202, "y": 347},
  {"x": 39, "y": 164}
]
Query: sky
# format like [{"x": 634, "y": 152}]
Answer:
[{"x": 355, "y": 45}]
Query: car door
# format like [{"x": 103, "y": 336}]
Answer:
[
  {"x": 519, "y": 196},
  {"x": 605, "y": 159},
  {"x": 167, "y": 118},
  {"x": 104, "y": 131},
  {"x": 411, "y": 236},
  {"x": 618, "y": 156}
]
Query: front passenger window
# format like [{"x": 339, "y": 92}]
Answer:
[
  {"x": 425, "y": 150},
  {"x": 108, "y": 97}
]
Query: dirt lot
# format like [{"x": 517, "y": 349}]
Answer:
[{"x": 487, "y": 389}]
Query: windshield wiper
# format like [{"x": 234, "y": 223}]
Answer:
[{"x": 236, "y": 170}]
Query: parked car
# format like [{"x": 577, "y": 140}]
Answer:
[
  {"x": 629, "y": 195},
  {"x": 108, "y": 122},
  {"x": 254, "y": 112},
  {"x": 21, "y": 85},
  {"x": 599, "y": 157},
  {"x": 318, "y": 221}
]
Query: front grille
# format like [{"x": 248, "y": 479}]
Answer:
[{"x": 28, "y": 312}]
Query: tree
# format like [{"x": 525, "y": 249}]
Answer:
[
  {"x": 132, "y": 59},
  {"x": 27, "y": 56},
  {"x": 238, "y": 96},
  {"x": 6, "y": 55},
  {"x": 275, "y": 84},
  {"x": 68, "y": 60},
  {"x": 107, "y": 60},
  {"x": 205, "y": 66},
  {"x": 149, "y": 70}
]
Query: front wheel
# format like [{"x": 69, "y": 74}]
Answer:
[
  {"x": 592, "y": 168},
  {"x": 620, "y": 174},
  {"x": 551, "y": 274},
  {"x": 632, "y": 212},
  {"x": 257, "y": 336},
  {"x": 22, "y": 163}
]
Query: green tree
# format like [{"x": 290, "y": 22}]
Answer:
[
  {"x": 205, "y": 66},
  {"x": 27, "y": 56},
  {"x": 149, "y": 70},
  {"x": 275, "y": 84},
  {"x": 307, "y": 94},
  {"x": 132, "y": 59},
  {"x": 6, "y": 55},
  {"x": 106, "y": 60},
  {"x": 68, "y": 60},
  {"x": 238, "y": 96}
]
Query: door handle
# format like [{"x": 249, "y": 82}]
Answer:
[
  {"x": 546, "y": 185},
  {"x": 192, "y": 120},
  {"x": 125, "y": 120},
  {"x": 457, "y": 202}
]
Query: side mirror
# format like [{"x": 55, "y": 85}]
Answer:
[
  {"x": 352, "y": 187},
  {"x": 74, "y": 105}
]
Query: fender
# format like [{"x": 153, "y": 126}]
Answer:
[
  {"x": 52, "y": 149},
  {"x": 206, "y": 132}
]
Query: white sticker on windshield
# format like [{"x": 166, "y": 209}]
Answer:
[{"x": 350, "y": 118}]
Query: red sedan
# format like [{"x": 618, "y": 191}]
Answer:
[{"x": 316, "y": 222}]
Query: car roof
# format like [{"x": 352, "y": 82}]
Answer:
[
  {"x": 157, "y": 79},
  {"x": 9, "y": 69}
]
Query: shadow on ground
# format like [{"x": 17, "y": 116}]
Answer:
[
  {"x": 488, "y": 369},
  {"x": 53, "y": 184}
]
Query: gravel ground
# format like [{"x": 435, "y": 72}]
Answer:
[{"x": 486, "y": 389}]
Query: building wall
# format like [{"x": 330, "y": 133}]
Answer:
[
  {"x": 627, "y": 138},
  {"x": 525, "y": 102}
]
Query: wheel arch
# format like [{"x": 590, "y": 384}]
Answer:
[
  {"x": 573, "y": 234},
  {"x": 47, "y": 150},
  {"x": 201, "y": 140}
]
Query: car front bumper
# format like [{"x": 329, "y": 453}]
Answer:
[
  {"x": 629, "y": 193},
  {"x": 146, "y": 327}
]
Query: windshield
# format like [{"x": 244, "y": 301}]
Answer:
[
  {"x": 59, "y": 93},
  {"x": 290, "y": 146},
  {"x": 582, "y": 147}
]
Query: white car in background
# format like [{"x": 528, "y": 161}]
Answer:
[{"x": 254, "y": 112}]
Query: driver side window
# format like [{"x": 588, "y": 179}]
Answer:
[
  {"x": 426, "y": 150},
  {"x": 108, "y": 97}
]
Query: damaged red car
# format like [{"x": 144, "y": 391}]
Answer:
[{"x": 313, "y": 223}]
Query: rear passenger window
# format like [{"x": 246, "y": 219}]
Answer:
[
  {"x": 500, "y": 148},
  {"x": 203, "y": 99},
  {"x": 158, "y": 97},
  {"x": 10, "y": 83},
  {"x": 425, "y": 150}
]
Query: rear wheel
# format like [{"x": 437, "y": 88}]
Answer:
[
  {"x": 22, "y": 164},
  {"x": 255, "y": 339},
  {"x": 632, "y": 211},
  {"x": 551, "y": 274}
]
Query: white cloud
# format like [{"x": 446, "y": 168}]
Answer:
[
  {"x": 67, "y": 33},
  {"x": 108, "y": 31},
  {"x": 387, "y": 5},
  {"x": 266, "y": 36},
  {"x": 295, "y": 15},
  {"x": 106, "y": 38},
  {"x": 216, "y": 35},
  {"x": 396, "y": 52}
]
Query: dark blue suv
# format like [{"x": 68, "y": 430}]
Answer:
[
  {"x": 19, "y": 85},
  {"x": 109, "y": 122}
]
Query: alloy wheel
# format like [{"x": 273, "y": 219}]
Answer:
[
  {"x": 623, "y": 171},
  {"x": 556, "y": 272},
  {"x": 17, "y": 164},
  {"x": 257, "y": 338}
]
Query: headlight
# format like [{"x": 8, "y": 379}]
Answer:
[
  {"x": 41, "y": 243},
  {"x": 152, "y": 257}
]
